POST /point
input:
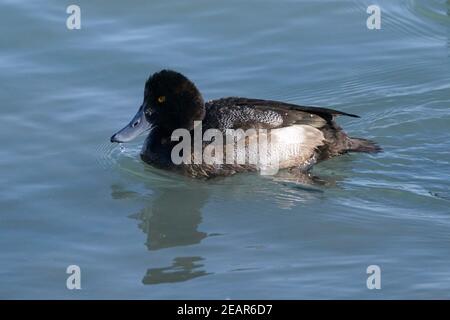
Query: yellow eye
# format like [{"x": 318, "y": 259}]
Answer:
[{"x": 161, "y": 99}]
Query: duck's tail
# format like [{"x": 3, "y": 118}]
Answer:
[{"x": 363, "y": 145}]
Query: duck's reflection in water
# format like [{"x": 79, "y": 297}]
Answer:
[
  {"x": 174, "y": 212},
  {"x": 182, "y": 269},
  {"x": 171, "y": 219}
]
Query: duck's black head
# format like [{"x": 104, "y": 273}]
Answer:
[{"x": 171, "y": 101}]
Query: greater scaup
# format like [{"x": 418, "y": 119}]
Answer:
[{"x": 172, "y": 101}]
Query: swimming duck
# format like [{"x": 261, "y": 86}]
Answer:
[{"x": 299, "y": 136}]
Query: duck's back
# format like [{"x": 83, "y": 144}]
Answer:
[
  {"x": 301, "y": 135},
  {"x": 244, "y": 113}
]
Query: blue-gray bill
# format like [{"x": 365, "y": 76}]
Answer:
[{"x": 137, "y": 126}]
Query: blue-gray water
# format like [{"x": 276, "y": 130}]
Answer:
[{"x": 70, "y": 197}]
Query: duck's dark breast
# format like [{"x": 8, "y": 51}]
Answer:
[{"x": 157, "y": 150}]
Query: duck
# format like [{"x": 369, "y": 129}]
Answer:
[{"x": 299, "y": 136}]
